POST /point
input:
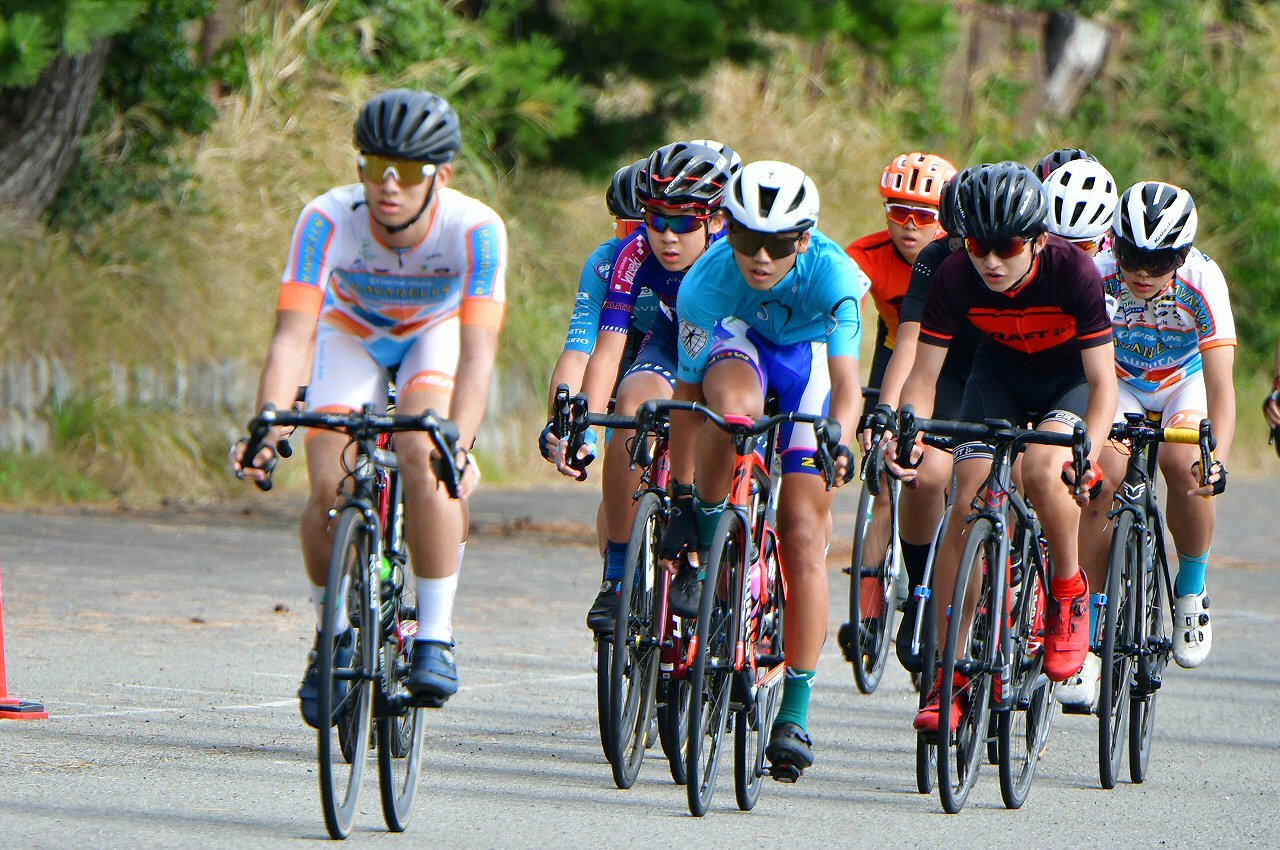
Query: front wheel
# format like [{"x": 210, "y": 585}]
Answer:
[
  {"x": 346, "y": 693},
  {"x": 1118, "y": 643},
  {"x": 399, "y": 734},
  {"x": 753, "y": 723},
  {"x": 1155, "y": 626}
]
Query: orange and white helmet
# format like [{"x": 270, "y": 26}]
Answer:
[{"x": 916, "y": 178}]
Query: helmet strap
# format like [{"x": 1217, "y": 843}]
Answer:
[{"x": 1027, "y": 275}]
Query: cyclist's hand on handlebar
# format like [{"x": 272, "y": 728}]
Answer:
[
  {"x": 1214, "y": 485},
  {"x": 846, "y": 465},
  {"x": 1090, "y": 486},
  {"x": 548, "y": 442},
  {"x": 259, "y": 469},
  {"x": 576, "y": 468},
  {"x": 905, "y": 474}
]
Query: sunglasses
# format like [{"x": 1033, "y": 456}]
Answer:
[
  {"x": 1089, "y": 246},
  {"x": 683, "y": 223},
  {"x": 1010, "y": 246},
  {"x": 406, "y": 172},
  {"x": 903, "y": 213},
  {"x": 1159, "y": 262},
  {"x": 749, "y": 242}
]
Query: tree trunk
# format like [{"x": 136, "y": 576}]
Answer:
[{"x": 40, "y": 129}]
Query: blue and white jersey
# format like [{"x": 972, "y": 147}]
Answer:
[
  {"x": 593, "y": 285},
  {"x": 816, "y": 302}
]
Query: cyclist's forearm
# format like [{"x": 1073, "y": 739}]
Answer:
[
  {"x": 288, "y": 359},
  {"x": 471, "y": 384},
  {"x": 846, "y": 395},
  {"x": 1220, "y": 392},
  {"x": 922, "y": 382},
  {"x": 895, "y": 374},
  {"x": 1100, "y": 371},
  {"x": 602, "y": 370}
]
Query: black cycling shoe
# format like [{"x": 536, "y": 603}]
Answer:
[
  {"x": 685, "y": 593},
  {"x": 604, "y": 610},
  {"x": 906, "y": 628},
  {"x": 790, "y": 752},
  {"x": 309, "y": 690},
  {"x": 433, "y": 674}
]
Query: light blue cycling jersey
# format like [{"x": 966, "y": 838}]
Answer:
[
  {"x": 816, "y": 302},
  {"x": 593, "y": 284}
]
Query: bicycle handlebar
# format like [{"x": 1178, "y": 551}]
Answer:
[
  {"x": 362, "y": 425},
  {"x": 1137, "y": 430}
]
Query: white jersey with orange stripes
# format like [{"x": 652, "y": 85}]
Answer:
[
  {"x": 388, "y": 297},
  {"x": 1158, "y": 342}
]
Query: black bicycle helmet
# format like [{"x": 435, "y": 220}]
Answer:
[
  {"x": 683, "y": 174},
  {"x": 1054, "y": 160},
  {"x": 950, "y": 214},
  {"x": 410, "y": 125},
  {"x": 1002, "y": 201},
  {"x": 620, "y": 197}
]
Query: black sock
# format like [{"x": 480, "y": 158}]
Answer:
[{"x": 914, "y": 558}]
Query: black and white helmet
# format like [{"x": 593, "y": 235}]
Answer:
[
  {"x": 1082, "y": 199},
  {"x": 735, "y": 161},
  {"x": 408, "y": 124},
  {"x": 684, "y": 174},
  {"x": 1001, "y": 201},
  {"x": 620, "y": 197},
  {"x": 772, "y": 197},
  {"x": 1152, "y": 215},
  {"x": 1054, "y": 160}
]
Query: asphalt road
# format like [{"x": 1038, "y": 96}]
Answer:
[{"x": 168, "y": 649}]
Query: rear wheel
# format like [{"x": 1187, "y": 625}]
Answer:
[
  {"x": 1117, "y": 650},
  {"x": 346, "y": 693},
  {"x": 673, "y": 725},
  {"x": 972, "y": 656},
  {"x": 1023, "y": 727},
  {"x": 634, "y": 671},
  {"x": 866, "y": 637},
  {"x": 712, "y": 672}
]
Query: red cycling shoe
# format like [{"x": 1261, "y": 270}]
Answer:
[
  {"x": 1066, "y": 640},
  {"x": 927, "y": 718}
]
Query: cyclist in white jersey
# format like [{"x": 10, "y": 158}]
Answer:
[
  {"x": 1175, "y": 349},
  {"x": 396, "y": 275}
]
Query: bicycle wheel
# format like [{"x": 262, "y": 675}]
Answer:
[
  {"x": 634, "y": 671},
  {"x": 865, "y": 638},
  {"x": 712, "y": 671},
  {"x": 1117, "y": 649},
  {"x": 753, "y": 723},
  {"x": 604, "y": 664},
  {"x": 400, "y": 726},
  {"x": 1023, "y": 727},
  {"x": 673, "y": 725},
  {"x": 973, "y": 657},
  {"x": 1157, "y": 631},
  {"x": 926, "y": 744},
  {"x": 341, "y": 774}
]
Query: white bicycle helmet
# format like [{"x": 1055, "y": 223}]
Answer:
[
  {"x": 772, "y": 197},
  {"x": 1082, "y": 199},
  {"x": 1154, "y": 215}
]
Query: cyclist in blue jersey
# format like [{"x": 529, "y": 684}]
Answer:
[
  {"x": 772, "y": 310},
  {"x": 680, "y": 187}
]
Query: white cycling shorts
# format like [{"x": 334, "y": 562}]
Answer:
[
  {"x": 344, "y": 376},
  {"x": 1181, "y": 405}
]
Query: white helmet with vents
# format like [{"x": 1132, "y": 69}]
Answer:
[
  {"x": 772, "y": 197},
  {"x": 1082, "y": 199},
  {"x": 1154, "y": 215}
]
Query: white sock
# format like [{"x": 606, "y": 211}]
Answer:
[
  {"x": 317, "y": 599},
  {"x": 435, "y": 605}
]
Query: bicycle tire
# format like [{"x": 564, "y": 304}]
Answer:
[
  {"x": 710, "y": 676},
  {"x": 752, "y": 725},
  {"x": 1118, "y": 641},
  {"x": 633, "y": 675},
  {"x": 339, "y": 795},
  {"x": 960, "y": 753},
  {"x": 400, "y": 731},
  {"x": 868, "y": 632},
  {"x": 926, "y": 743},
  {"x": 673, "y": 725},
  {"x": 1156, "y": 629},
  {"x": 1023, "y": 728},
  {"x": 604, "y": 663}
]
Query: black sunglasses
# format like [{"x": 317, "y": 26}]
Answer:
[
  {"x": 749, "y": 242},
  {"x": 1159, "y": 262}
]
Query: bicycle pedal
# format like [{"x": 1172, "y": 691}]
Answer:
[
  {"x": 1083, "y": 710},
  {"x": 399, "y": 704},
  {"x": 783, "y": 772},
  {"x": 848, "y": 645}
]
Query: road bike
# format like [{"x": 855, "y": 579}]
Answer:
[
  {"x": 368, "y": 566},
  {"x": 994, "y": 667},
  {"x": 1137, "y": 623}
]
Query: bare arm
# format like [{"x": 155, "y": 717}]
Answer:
[
  {"x": 602, "y": 369},
  {"x": 904, "y": 354},
  {"x": 570, "y": 369},
  {"x": 921, "y": 385},
  {"x": 479, "y": 348},
  {"x": 1100, "y": 371},
  {"x": 1219, "y": 385},
  {"x": 288, "y": 358}
]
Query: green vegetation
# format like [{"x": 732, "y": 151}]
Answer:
[{"x": 167, "y": 242}]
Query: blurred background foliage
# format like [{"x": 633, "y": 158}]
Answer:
[{"x": 216, "y": 120}]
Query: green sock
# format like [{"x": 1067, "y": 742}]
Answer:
[
  {"x": 797, "y": 687},
  {"x": 708, "y": 514}
]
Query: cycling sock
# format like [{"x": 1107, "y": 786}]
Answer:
[
  {"x": 914, "y": 558},
  {"x": 797, "y": 688},
  {"x": 435, "y": 604},
  {"x": 708, "y": 514},
  {"x": 1068, "y": 588},
  {"x": 317, "y": 599},
  {"x": 1191, "y": 570},
  {"x": 615, "y": 560}
]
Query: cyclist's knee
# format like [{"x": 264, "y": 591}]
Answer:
[{"x": 636, "y": 389}]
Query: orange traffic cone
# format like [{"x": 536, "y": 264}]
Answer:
[{"x": 10, "y": 708}]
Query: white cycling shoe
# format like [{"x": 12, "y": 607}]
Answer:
[
  {"x": 1192, "y": 632},
  {"x": 1079, "y": 693}
]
